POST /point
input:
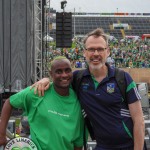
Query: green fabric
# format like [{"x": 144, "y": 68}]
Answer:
[
  {"x": 55, "y": 121},
  {"x": 96, "y": 83},
  {"x": 130, "y": 86},
  {"x": 127, "y": 130}
]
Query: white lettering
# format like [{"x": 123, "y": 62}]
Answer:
[{"x": 57, "y": 113}]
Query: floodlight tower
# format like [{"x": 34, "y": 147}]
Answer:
[{"x": 63, "y": 4}]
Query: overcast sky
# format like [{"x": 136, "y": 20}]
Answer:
[{"x": 107, "y": 6}]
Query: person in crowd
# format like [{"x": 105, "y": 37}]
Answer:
[
  {"x": 118, "y": 123},
  {"x": 55, "y": 120}
]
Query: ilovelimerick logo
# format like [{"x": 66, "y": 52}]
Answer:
[{"x": 20, "y": 143}]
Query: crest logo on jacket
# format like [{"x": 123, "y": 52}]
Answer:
[{"x": 110, "y": 88}]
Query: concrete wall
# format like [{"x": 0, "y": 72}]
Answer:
[{"x": 139, "y": 74}]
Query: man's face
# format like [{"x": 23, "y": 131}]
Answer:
[
  {"x": 61, "y": 73},
  {"x": 96, "y": 52}
]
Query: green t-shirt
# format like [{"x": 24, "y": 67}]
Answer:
[{"x": 56, "y": 121}]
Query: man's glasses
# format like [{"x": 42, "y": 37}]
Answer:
[{"x": 99, "y": 50}]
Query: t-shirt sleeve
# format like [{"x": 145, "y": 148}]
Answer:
[
  {"x": 18, "y": 100},
  {"x": 24, "y": 100},
  {"x": 132, "y": 92}
]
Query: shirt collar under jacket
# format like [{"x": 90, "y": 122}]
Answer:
[{"x": 111, "y": 71}]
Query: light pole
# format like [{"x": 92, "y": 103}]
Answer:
[
  {"x": 74, "y": 24},
  {"x": 63, "y": 5}
]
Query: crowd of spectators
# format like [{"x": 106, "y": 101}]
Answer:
[
  {"x": 132, "y": 54},
  {"x": 126, "y": 53}
]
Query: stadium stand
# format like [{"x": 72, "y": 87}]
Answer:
[{"x": 137, "y": 24}]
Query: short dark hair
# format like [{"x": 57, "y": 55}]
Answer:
[
  {"x": 96, "y": 33},
  {"x": 57, "y": 59}
]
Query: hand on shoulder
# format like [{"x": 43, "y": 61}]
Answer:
[{"x": 40, "y": 86}]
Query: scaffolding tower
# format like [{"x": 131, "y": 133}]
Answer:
[{"x": 38, "y": 51}]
